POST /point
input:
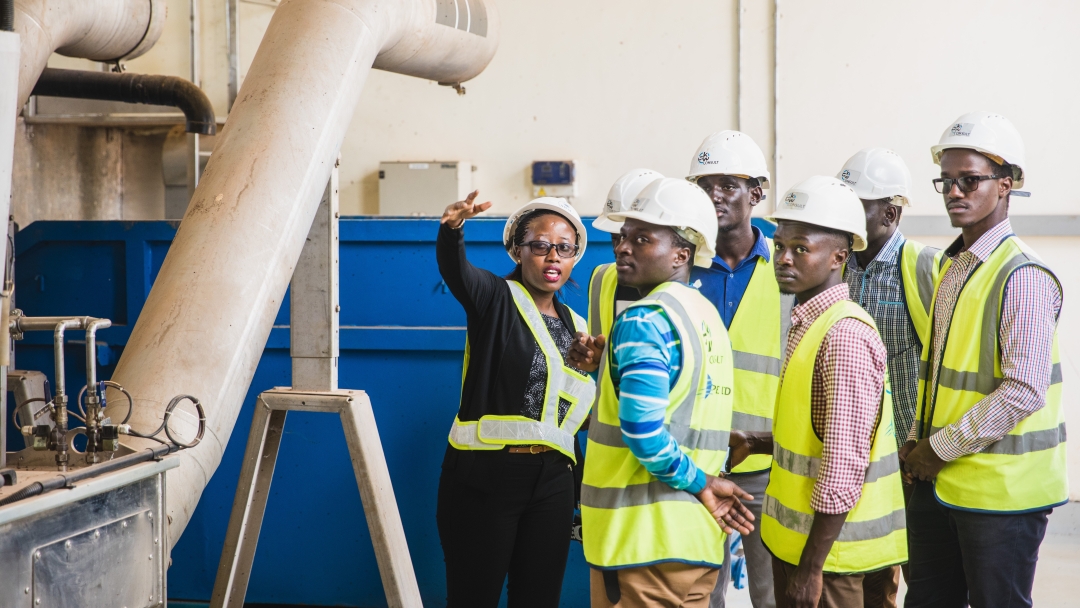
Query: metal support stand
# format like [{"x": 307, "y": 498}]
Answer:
[{"x": 314, "y": 338}]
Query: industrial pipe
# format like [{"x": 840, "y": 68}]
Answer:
[
  {"x": 7, "y": 15},
  {"x": 102, "y": 30},
  {"x": 209, "y": 314},
  {"x": 91, "y": 354},
  {"x": 132, "y": 88}
]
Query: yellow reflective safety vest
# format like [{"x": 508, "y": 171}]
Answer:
[
  {"x": 1025, "y": 470},
  {"x": 757, "y": 335},
  {"x": 874, "y": 535},
  {"x": 494, "y": 432},
  {"x": 602, "y": 286},
  {"x": 629, "y": 517},
  {"x": 920, "y": 271}
]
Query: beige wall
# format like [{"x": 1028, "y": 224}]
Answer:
[{"x": 618, "y": 84}]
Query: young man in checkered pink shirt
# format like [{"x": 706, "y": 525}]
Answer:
[{"x": 847, "y": 385}]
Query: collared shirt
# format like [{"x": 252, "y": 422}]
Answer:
[
  {"x": 845, "y": 397},
  {"x": 646, "y": 356},
  {"x": 878, "y": 288},
  {"x": 1029, "y": 317},
  {"x": 724, "y": 286}
]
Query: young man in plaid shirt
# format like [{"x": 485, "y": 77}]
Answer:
[
  {"x": 988, "y": 444},
  {"x": 834, "y": 455}
]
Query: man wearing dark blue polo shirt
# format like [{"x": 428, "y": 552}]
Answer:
[{"x": 731, "y": 169}]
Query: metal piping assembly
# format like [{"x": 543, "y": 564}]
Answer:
[
  {"x": 209, "y": 314},
  {"x": 132, "y": 88}
]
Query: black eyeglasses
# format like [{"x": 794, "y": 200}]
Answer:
[
  {"x": 541, "y": 248},
  {"x": 967, "y": 183}
]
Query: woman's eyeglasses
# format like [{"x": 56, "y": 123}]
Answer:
[
  {"x": 967, "y": 183},
  {"x": 541, "y": 248}
]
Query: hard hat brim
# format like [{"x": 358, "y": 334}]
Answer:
[
  {"x": 858, "y": 243},
  {"x": 938, "y": 150},
  {"x": 702, "y": 257},
  {"x": 605, "y": 224}
]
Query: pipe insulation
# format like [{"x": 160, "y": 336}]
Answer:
[
  {"x": 102, "y": 30},
  {"x": 209, "y": 314},
  {"x": 132, "y": 88}
]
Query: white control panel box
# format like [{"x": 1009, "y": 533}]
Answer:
[{"x": 422, "y": 187}]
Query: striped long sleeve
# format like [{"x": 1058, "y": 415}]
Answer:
[{"x": 646, "y": 357}]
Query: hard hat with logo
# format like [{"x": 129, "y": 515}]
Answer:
[
  {"x": 729, "y": 153},
  {"x": 680, "y": 205},
  {"x": 548, "y": 203},
  {"x": 877, "y": 173},
  {"x": 989, "y": 134},
  {"x": 826, "y": 202},
  {"x": 622, "y": 193}
]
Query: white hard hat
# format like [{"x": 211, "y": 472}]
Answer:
[
  {"x": 622, "y": 193},
  {"x": 679, "y": 204},
  {"x": 877, "y": 173},
  {"x": 989, "y": 134},
  {"x": 826, "y": 202},
  {"x": 729, "y": 153},
  {"x": 550, "y": 203}
]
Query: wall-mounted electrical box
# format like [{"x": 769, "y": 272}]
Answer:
[
  {"x": 422, "y": 187},
  {"x": 554, "y": 178}
]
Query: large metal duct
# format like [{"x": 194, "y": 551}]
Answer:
[
  {"x": 102, "y": 30},
  {"x": 207, "y": 319}
]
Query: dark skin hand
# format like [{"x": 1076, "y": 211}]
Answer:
[
  {"x": 976, "y": 212},
  {"x": 734, "y": 199},
  {"x": 882, "y": 220},
  {"x": 807, "y": 259},
  {"x": 742, "y": 444},
  {"x": 645, "y": 257},
  {"x": 920, "y": 461},
  {"x": 804, "y": 586},
  {"x": 723, "y": 499}
]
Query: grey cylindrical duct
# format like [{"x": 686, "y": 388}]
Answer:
[
  {"x": 206, "y": 321},
  {"x": 7, "y": 15},
  {"x": 132, "y": 88},
  {"x": 102, "y": 30}
]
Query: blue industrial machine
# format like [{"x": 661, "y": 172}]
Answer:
[{"x": 402, "y": 338}]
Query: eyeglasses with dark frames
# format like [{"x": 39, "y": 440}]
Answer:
[
  {"x": 541, "y": 248},
  {"x": 967, "y": 183}
]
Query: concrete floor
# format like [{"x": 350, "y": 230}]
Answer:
[{"x": 1057, "y": 579}]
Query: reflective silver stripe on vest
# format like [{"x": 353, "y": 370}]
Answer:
[
  {"x": 521, "y": 431},
  {"x": 611, "y": 436},
  {"x": 852, "y": 531},
  {"x": 467, "y": 435},
  {"x": 750, "y": 422},
  {"x": 808, "y": 466},
  {"x": 594, "y": 300},
  {"x": 982, "y": 383},
  {"x": 637, "y": 495},
  {"x": 750, "y": 362},
  {"x": 924, "y": 275},
  {"x": 1032, "y": 441}
]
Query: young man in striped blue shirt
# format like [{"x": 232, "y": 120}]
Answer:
[{"x": 654, "y": 503}]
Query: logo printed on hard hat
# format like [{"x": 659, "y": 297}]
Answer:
[
  {"x": 638, "y": 204},
  {"x": 849, "y": 177},
  {"x": 794, "y": 201},
  {"x": 703, "y": 159},
  {"x": 961, "y": 129},
  {"x": 609, "y": 205}
]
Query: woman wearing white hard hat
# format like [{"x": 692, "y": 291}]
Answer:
[
  {"x": 987, "y": 450},
  {"x": 506, "y": 493}
]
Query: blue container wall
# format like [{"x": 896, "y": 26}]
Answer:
[{"x": 402, "y": 339}]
